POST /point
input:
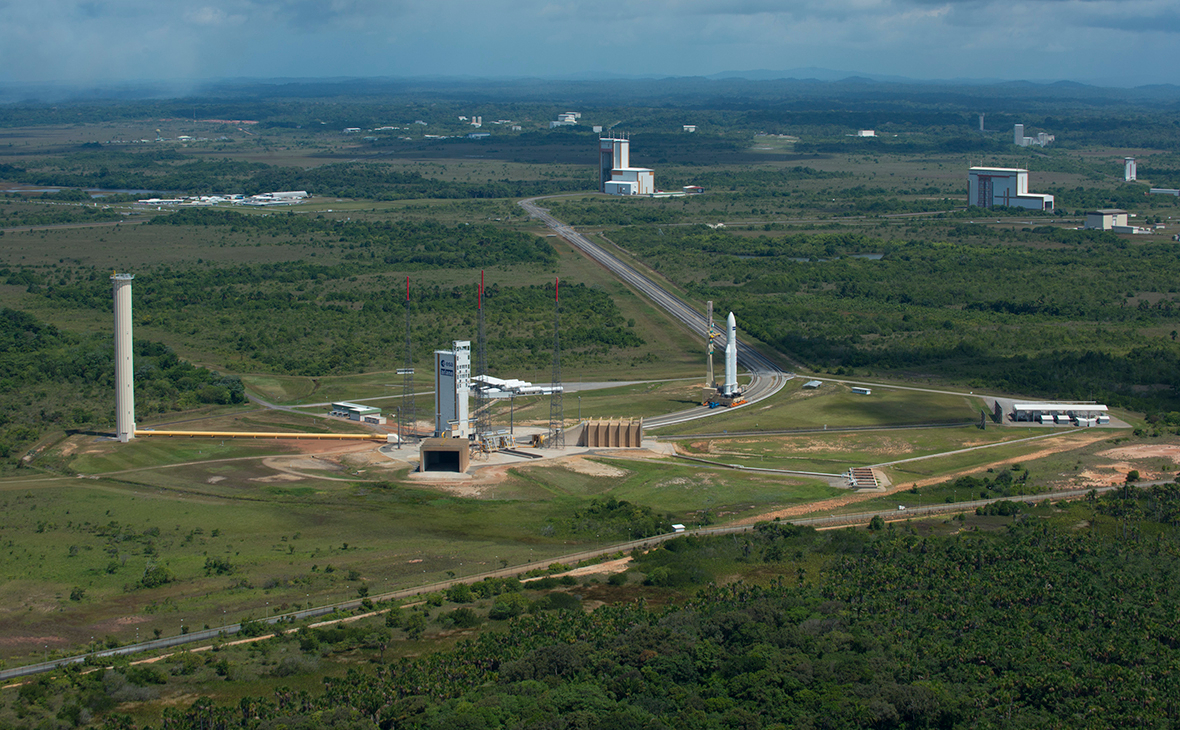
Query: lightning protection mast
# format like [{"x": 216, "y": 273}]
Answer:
[
  {"x": 556, "y": 438},
  {"x": 483, "y": 416},
  {"x": 710, "y": 333},
  {"x": 409, "y": 414}
]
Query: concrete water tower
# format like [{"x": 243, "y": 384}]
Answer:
[{"x": 124, "y": 365}]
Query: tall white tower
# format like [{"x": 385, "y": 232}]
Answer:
[
  {"x": 452, "y": 388},
  {"x": 124, "y": 367},
  {"x": 1130, "y": 172}
]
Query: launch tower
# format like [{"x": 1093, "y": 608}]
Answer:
[{"x": 124, "y": 365}]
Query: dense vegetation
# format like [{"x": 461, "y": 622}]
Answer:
[
  {"x": 301, "y": 318},
  {"x": 1037, "y": 624},
  {"x": 173, "y": 171},
  {"x": 1047, "y": 311},
  {"x": 50, "y": 378}
]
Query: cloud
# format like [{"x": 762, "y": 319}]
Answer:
[{"x": 91, "y": 40}]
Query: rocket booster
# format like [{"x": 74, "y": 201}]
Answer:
[{"x": 731, "y": 385}]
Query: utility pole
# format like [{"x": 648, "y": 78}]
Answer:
[
  {"x": 408, "y": 409},
  {"x": 556, "y": 438}
]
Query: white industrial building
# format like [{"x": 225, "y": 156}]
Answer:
[
  {"x": 1083, "y": 414},
  {"x": 1041, "y": 139},
  {"x": 1106, "y": 219},
  {"x": 452, "y": 389},
  {"x": 1130, "y": 170},
  {"x": 355, "y": 412},
  {"x": 1112, "y": 219},
  {"x": 616, "y": 176},
  {"x": 991, "y": 186}
]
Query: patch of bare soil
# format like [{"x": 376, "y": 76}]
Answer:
[
  {"x": 214, "y": 480},
  {"x": 1145, "y": 451},
  {"x": 1068, "y": 443},
  {"x": 273, "y": 478},
  {"x": 42, "y": 640},
  {"x": 593, "y": 468}
]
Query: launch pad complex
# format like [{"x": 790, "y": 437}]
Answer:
[{"x": 726, "y": 393}]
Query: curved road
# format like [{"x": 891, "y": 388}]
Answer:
[{"x": 767, "y": 377}]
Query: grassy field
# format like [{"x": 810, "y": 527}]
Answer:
[
  {"x": 837, "y": 452},
  {"x": 834, "y": 404}
]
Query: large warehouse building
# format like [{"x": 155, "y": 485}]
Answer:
[
  {"x": 991, "y": 186},
  {"x": 615, "y": 174}
]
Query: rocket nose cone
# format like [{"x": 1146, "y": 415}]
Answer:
[{"x": 731, "y": 320}]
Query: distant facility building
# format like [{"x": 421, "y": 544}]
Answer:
[
  {"x": 1112, "y": 219},
  {"x": 566, "y": 119},
  {"x": 1082, "y": 414},
  {"x": 1040, "y": 140},
  {"x": 866, "y": 133},
  {"x": 1130, "y": 170},
  {"x": 1165, "y": 191},
  {"x": 690, "y": 127},
  {"x": 355, "y": 412},
  {"x": 991, "y": 186},
  {"x": 615, "y": 174},
  {"x": 1106, "y": 219}
]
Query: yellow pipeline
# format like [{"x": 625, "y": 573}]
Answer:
[{"x": 264, "y": 435}]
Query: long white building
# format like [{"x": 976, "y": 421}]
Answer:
[{"x": 991, "y": 186}]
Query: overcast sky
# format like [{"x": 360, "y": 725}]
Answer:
[{"x": 1114, "y": 42}]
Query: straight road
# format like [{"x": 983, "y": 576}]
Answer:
[
  {"x": 831, "y": 521},
  {"x": 767, "y": 377}
]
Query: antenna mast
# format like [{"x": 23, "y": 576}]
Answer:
[
  {"x": 409, "y": 411},
  {"x": 556, "y": 438},
  {"x": 709, "y": 333},
  {"x": 483, "y": 415}
]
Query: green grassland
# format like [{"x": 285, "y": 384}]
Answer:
[
  {"x": 834, "y": 404},
  {"x": 835, "y": 453}
]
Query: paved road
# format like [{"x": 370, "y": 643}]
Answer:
[
  {"x": 831, "y": 521},
  {"x": 103, "y": 224},
  {"x": 767, "y": 377}
]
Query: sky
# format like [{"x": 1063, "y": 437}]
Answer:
[{"x": 1109, "y": 42}]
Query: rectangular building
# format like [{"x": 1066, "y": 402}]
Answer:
[
  {"x": 452, "y": 386},
  {"x": 1106, "y": 219},
  {"x": 643, "y": 178},
  {"x": 988, "y": 187}
]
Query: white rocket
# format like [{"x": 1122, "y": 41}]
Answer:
[{"x": 731, "y": 385}]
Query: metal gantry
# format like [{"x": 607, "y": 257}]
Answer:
[
  {"x": 483, "y": 411},
  {"x": 408, "y": 411},
  {"x": 556, "y": 439}
]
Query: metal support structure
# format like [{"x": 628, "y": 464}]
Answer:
[
  {"x": 710, "y": 382},
  {"x": 556, "y": 438},
  {"x": 483, "y": 411},
  {"x": 408, "y": 410}
]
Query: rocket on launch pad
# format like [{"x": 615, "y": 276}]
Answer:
[
  {"x": 728, "y": 392},
  {"x": 730, "y": 387}
]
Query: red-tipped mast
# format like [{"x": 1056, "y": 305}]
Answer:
[
  {"x": 556, "y": 287},
  {"x": 407, "y": 288},
  {"x": 480, "y": 290}
]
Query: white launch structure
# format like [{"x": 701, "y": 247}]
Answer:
[
  {"x": 615, "y": 174},
  {"x": 730, "y": 387},
  {"x": 1130, "y": 170},
  {"x": 124, "y": 365},
  {"x": 728, "y": 392},
  {"x": 452, "y": 389}
]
